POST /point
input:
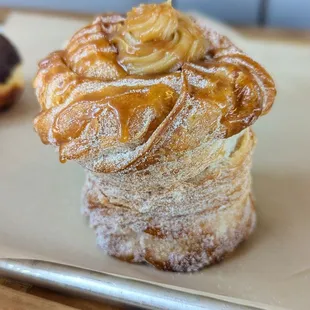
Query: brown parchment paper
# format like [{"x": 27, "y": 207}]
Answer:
[{"x": 40, "y": 198}]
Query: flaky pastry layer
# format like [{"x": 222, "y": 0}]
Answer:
[
  {"x": 179, "y": 226},
  {"x": 94, "y": 107},
  {"x": 158, "y": 111}
]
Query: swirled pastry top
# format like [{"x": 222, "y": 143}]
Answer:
[{"x": 129, "y": 80}]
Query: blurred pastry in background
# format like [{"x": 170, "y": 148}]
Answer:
[{"x": 11, "y": 76}]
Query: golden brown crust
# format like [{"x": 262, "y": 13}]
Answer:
[
  {"x": 201, "y": 234},
  {"x": 87, "y": 93},
  {"x": 188, "y": 250},
  {"x": 158, "y": 111}
]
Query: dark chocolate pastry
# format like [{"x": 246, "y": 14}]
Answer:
[{"x": 11, "y": 77}]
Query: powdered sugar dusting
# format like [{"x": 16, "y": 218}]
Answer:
[
  {"x": 167, "y": 152},
  {"x": 175, "y": 215}
]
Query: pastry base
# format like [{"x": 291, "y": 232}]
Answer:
[{"x": 199, "y": 240}]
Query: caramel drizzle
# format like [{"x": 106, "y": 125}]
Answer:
[
  {"x": 155, "y": 38},
  {"x": 91, "y": 78}
]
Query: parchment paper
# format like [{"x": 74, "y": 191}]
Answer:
[{"x": 40, "y": 198}]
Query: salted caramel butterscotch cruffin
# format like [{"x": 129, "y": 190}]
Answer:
[{"x": 158, "y": 111}]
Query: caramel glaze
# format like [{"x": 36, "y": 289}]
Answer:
[
  {"x": 124, "y": 102},
  {"x": 119, "y": 78},
  {"x": 157, "y": 39}
]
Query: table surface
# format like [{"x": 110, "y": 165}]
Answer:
[{"x": 23, "y": 296}]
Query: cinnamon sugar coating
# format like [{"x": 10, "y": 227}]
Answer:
[{"x": 158, "y": 110}]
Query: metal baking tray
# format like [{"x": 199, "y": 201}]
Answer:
[{"x": 108, "y": 288}]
